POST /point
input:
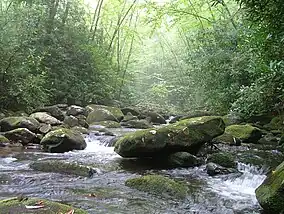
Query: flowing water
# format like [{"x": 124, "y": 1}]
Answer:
[{"x": 225, "y": 194}]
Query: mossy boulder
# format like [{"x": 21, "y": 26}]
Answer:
[
  {"x": 3, "y": 140},
  {"x": 82, "y": 120},
  {"x": 276, "y": 123},
  {"x": 223, "y": 159},
  {"x": 75, "y": 110},
  {"x": 45, "y": 128},
  {"x": 245, "y": 133},
  {"x": 71, "y": 121},
  {"x": 183, "y": 159},
  {"x": 16, "y": 205},
  {"x": 80, "y": 129},
  {"x": 158, "y": 185},
  {"x": 155, "y": 118},
  {"x": 63, "y": 168},
  {"x": 54, "y": 111},
  {"x": 107, "y": 124},
  {"x": 128, "y": 117},
  {"x": 44, "y": 117},
  {"x": 271, "y": 192},
  {"x": 99, "y": 115},
  {"x": 115, "y": 111},
  {"x": 187, "y": 135},
  {"x": 10, "y": 123},
  {"x": 21, "y": 135},
  {"x": 130, "y": 110},
  {"x": 63, "y": 140},
  {"x": 227, "y": 139},
  {"x": 137, "y": 124}
]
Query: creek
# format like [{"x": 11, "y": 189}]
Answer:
[{"x": 226, "y": 194}]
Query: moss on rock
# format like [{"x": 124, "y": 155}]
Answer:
[
  {"x": 63, "y": 140},
  {"x": 186, "y": 135},
  {"x": 271, "y": 192},
  {"x": 116, "y": 112},
  {"x": 223, "y": 159},
  {"x": 10, "y": 123},
  {"x": 183, "y": 159},
  {"x": 3, "y": 140},
  {"x": 14, "y": 205},
  {"x": 245, "y": 133},
  {"x": 63, "y": 168},
  {"x": 159, "y": 185}
]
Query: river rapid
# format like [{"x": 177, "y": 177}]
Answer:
[{"x": 226, "y": 194}]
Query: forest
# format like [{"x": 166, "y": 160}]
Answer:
[{"x": 174, "y": 56}]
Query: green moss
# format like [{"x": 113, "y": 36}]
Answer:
[
  {"x": 277, "y": 123},
  {"x": 62, "y": 167},
  {"x": 114, "y": 110},
  {"x": 13, "y": 205},
  {"x": 160, "y": 185},
  {"x": 271, "y": 192},
  {"x": 107, "y": 124},
  {"x": 223, "y": 159},
  {"x": 3, "y": 139},
  {"x": 246, "y": 133},
  {"x": 186, "y": 134}
]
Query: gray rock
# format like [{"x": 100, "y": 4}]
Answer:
[
  {"x": 10, "y": 123},
  {"x": 75, "y": 110},
  {"x": 21, "y": 135},
  {"x": 43, "y": 117}
]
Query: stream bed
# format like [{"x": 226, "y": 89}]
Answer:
[{"x": 105, "y": 192}]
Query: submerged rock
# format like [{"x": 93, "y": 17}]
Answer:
[
  {"x": 183, "y": 159},
  {"x": 270, "y": 193},
  {"x": 215, "y": 169},
  {"x": 187, "y": 135},
  {"x": 245, "y": 133},
  {"x": 158, "y": 185},
  {"x": 63, "y": 140},
  {"x": 18, "y": 205},
  {"x": 10, "y": 123},
  {"x": 223, "y": 159},
  {"x": 43, "y": 117},
  {"x": 63, "y": 168}
]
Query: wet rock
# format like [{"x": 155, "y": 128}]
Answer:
[
  {"x": 227, "y": 139},
  {"x": 183, "y": 159},
  {"x": 156, "y": 118},
  {"x": 45, "y": 128},
  {"x": 5, "y": 179},
  {"x": 100, "y": 115},
  {"x": 71, "y": 121},
  {"x": 245, "y": 133},
  {"x": 18, "y": 205},
  {"x": 137, "y": 124},
  {"x": 158, "y": 185},
  {"x": 10, "y": 123},
  {"x": 43, "y": 117},
  {"x": 107, "y": 124},
  {"x": 80, "y": 129},
  {"x": 63, "y": 168},
  {"x": 3, "y": 141},
  {"x": 63, "y": 140},
  {"x": 187, "y": 135},
  {"x": 21, "y": 135},
  {"x": 130, "y": 110},
  {"x": 82, "y": 119},
  {"x": 75, "y": 110},
  {"x": 223, "y": 159},
  {"x": 116, "y": 112},
  {"x": 270, "y": 193},
  {"x": 129, "y": 117},
  {"x": 215, "y": 169},
  {"x": 54, "y": 111},
  {"x": 277, "y": 123}
]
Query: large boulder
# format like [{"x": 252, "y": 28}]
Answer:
[
  {"x": 44, "y": 117},
  {"x": 21, "y": 135},
  {"x": 271, "y": 192},
  {"x": 98, "y": 115},
  {"x": 54, "y": 111},
  {"x": 128, "y": 117},
  {"x": 130, "y": 110},
  {"x": 183, "y": 159},
  {"x": 245, "y": 133},
  {"x": 10, "y": 123},
  {"x": 223, "y": 159},
  {"x": 187, "y": 135},
  {"x": 116, "y": 112},
  {"x": 158, "y": 185},
  {"x": 137, "y": 124},
  {"x": 276, "y": 123},
  {"x": 63, "y": 140},
  {"x": 75, "y": 110},
  {"x": 18, "y": 205},
  {"x": 156, "y": 118},
  {"x": 71, "y": 121}
]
